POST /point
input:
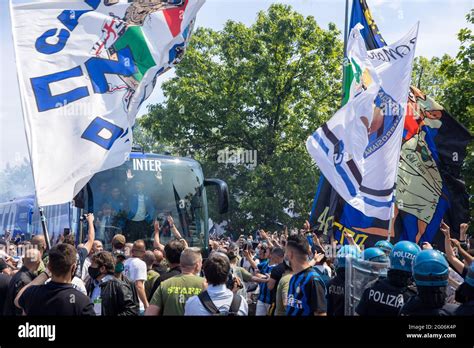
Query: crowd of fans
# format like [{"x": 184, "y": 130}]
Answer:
[{"x": 275, "y": 274}]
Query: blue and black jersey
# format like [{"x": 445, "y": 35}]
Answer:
[
  {"x": 265, "y": 294},
  {"x": 306, "y": 294}
]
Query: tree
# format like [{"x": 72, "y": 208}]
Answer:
[{"x": 262, "y": 89}]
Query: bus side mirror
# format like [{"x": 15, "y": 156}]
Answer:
[{"x": 222, "y": 193}]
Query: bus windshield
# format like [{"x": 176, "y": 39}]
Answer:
[{"x": 128, "y": 199}]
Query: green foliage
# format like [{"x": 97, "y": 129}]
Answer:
[{"x": 265, "y": 88}]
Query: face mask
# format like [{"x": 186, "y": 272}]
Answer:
[
  {"x": 94, "y": 272},
  {"x": 287, "y": 262},
  {"x": 118, "y": 267}
]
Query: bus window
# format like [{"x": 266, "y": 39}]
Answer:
[{"x": 129, "y": 198}]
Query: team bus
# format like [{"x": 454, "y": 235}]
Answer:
[{"x": 128, "y": 200}]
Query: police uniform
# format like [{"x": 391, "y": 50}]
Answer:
[
  {"x": 415, "y": 307},
  {"x": 382, "y": 298},
  {"x": 466, "y": 309},
  {"x": 336, "y": 295}
]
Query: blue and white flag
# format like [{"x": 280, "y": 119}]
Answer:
[
  {"x": 358, "y": 149},
  {"x": 85, "y": 67}
]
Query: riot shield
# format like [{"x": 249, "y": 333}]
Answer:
[
  {"x": 454, "y": 281},
  {"x": 359, "y": 274}
]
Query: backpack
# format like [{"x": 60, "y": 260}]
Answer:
[{"x": 206, "y": 301}]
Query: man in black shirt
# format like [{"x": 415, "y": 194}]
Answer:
[
  {"x": 276, "y": 274},
  {"x": 23, "y": 277},
  {"x": 385, "y": 296},
  {"x": 173, "y": 252},
  {"x": 58, "y": 297},
  {"x": 4, "y": 282}
]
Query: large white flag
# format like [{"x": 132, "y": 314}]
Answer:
[
  {"x": 358, "y": 149},
  {"x": 85, "y": 67}
]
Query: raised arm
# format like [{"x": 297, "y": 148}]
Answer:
[
  {"x": 350, "y": 240},
  {"x": 176, "y": 233},
  {"x": 250, "y": 260},
  {"x": 91, "y": 234},
  {"x": 448, "y": 248},
  {"x": 156, "y": 236},
  {"x": 173, "y": 228},
  {"x": 264, "y": 235},
  {"x": 466, "y": 256}
]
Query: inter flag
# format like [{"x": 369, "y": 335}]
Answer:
[
  {"x": 357, "y": 150},
  {"x": 360, "y": 13},
  {"x": 429, "y": 185},
  {"x": 327, "y": 203},
  {"x": 373, "y": 39},
  {"x": 85, "y": 68}
]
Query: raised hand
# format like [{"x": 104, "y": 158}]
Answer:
[{"x": 445, "y": 229}]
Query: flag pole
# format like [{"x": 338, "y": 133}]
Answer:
[
  {"x": 346, "y": 28},
  {"x": 23, "y": 107},
  {"x": 44, "y": 226}
]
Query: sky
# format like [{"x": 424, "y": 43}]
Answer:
[{"x": 440, "y": 20}]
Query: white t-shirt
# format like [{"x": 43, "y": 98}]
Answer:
[
  {"x": 141, "y": 210},
  {"x": 76, "y": 283},
  {"x": 135, "y": 269},
  {"x": 220, "y": 296}
]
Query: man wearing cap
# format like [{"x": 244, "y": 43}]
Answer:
[
  {"x": 5, "y": 278},
  {"x": 135, "y": 270}
]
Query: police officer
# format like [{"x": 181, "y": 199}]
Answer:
[
  {"x": 431, "y": 272},
  {"x": 374, "y": 255},
  {"x": 385, "y": 296},
  {"x": 465, "y": 294},
  {"x": 385, "y": 245},
  {"x": 336, "y": 288}
]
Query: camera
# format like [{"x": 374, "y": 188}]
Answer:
[
  {"x": 165, "y": 225},
  {"x": 83, "y": 217}
]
